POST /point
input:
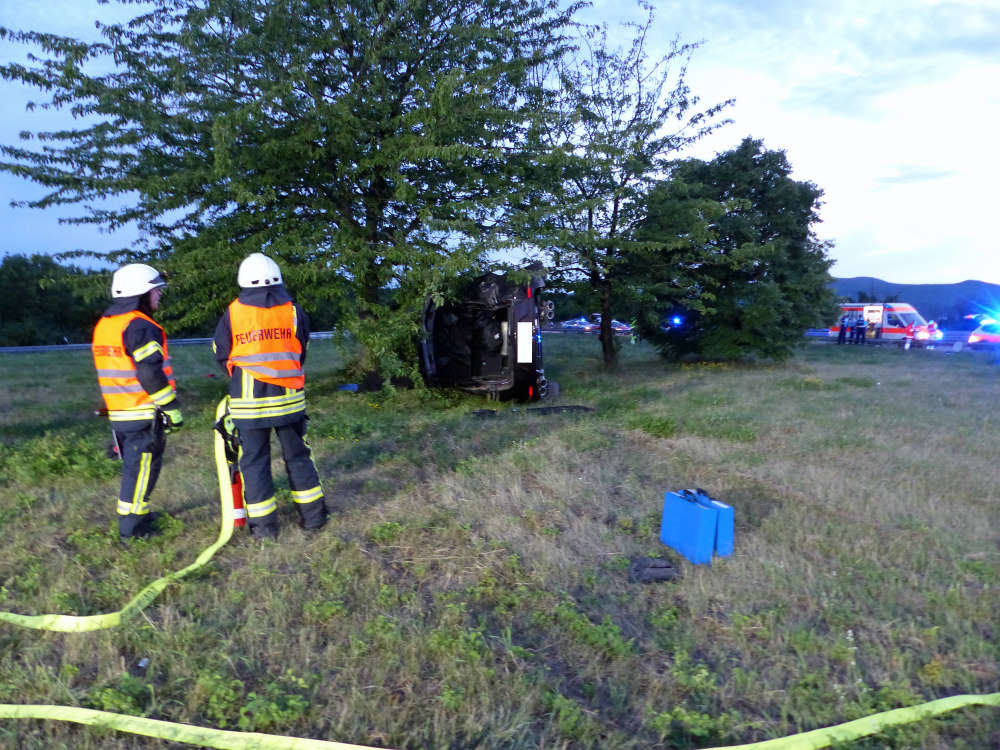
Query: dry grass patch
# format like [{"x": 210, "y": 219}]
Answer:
[{"x": 471, "y": 589}]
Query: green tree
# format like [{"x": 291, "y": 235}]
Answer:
[
  {"x": 616, "y": 120},
  {"x": 667, "y": 266},
  {"x": 740, "y": 256},
  {"x": 373, "y": 147},
  {"x": 43, "y": 302}
]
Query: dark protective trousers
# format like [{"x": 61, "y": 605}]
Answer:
[
  {"x": 258, "y": 484},
  {"x": 142, "y": 458}
]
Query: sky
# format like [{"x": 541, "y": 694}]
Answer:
[{"x": 891, "y": 107}]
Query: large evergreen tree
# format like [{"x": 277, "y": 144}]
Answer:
[
  {"x": 739, "y": 258},
  {"x": 373, "y": 147}
]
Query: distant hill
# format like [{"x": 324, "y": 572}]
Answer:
[{"x": 945, "y": 303}]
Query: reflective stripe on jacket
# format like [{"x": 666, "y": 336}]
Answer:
[
  {"x": 264, "y": 344},
  {"x": 124, "y": 396},
  {"x": 247, "y": 406}
]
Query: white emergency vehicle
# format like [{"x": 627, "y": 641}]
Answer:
[{"x": 887, "y": 321}]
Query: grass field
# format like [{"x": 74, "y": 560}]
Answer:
[{"x": 471, "y": 590}]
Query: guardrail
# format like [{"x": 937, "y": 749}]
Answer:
[
  {"x": 949, "y": 339},
  {"x": 86, "y": 347}
]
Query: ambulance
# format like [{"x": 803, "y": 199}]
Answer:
[{"x": 887, "y": 321}]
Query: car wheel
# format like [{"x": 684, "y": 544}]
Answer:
[{"x": 552, "y": 391}]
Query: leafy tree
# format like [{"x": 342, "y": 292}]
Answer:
[
  {"x": 668, "y": 268},
  {"x": 43, "y": 302},
  {"x": 616, "y": 119},
  {"x": 371, "y": 146},
  {"x": 740, "y": 257}
]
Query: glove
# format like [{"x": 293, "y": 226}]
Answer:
[{"x": 172, "y": 419}]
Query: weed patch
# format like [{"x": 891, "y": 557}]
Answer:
[
  {"x": 57, "y": 455},
  {"x": 131, "y": 695},
  {"x": 657, "y": 426},
  {"x": 854, "y": 381},
  {"x": 719, "y": 426}
]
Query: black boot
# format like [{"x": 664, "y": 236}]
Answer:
[
  {"x": 314, "y": 515},
  {"x": 135, "y": 526},
  {"x": 266, "y": 531}
]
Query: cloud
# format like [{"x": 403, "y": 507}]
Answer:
[
  {"x": 857, "y": 95},
  {"x": 840, "y": 57},
  {"x": 894, "y": 29},
  {"x": 917, "y": 30},
  {"x": 910, "y": 174}
]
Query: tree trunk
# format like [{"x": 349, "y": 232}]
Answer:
[{"x": 607, "y": 332}]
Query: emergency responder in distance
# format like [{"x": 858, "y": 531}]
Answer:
[
  {"x": 137, "y": 383},
  {"x": 845, "y": 323},
  {"x": 860, "y": 329},
  {"x": 260, "y": 342}
]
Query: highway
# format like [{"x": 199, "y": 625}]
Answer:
[{"x": 948, "y": 342}]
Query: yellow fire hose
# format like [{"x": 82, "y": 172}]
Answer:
[
  {"x": 168, "y": 730},
  {"x": 228, "y": 740},
  {"x": 75, "y": 624},
  {"x": 852, "y": 730}
]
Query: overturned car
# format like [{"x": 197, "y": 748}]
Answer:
[{"x": 489, "y": 339}]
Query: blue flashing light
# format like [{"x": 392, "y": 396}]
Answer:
[
  {"x": 677, "y": 320},
  {"x": 990, "y": 316}
]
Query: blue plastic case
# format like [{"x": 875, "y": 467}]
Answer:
[
  {"x": 725, "y": 521},
  {"x": 696, "y": 525}
]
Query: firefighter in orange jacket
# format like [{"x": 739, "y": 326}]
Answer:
[
  {"x": 137, "y": 384},
  {"x": 260, "y": 342}
]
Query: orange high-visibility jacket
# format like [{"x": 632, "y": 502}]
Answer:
[
  {"x": 265, "y": 345},
  {"x": 124, "y": 396}
]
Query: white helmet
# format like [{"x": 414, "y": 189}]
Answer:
[
  {"x": 134, "y": 280},
  {"x": 258, "y": 270}
]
